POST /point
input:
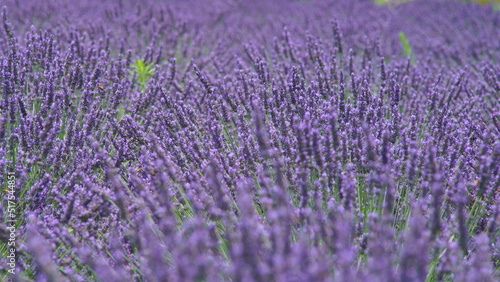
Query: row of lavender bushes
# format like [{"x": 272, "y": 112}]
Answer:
[{"x": 267, "y": 140}]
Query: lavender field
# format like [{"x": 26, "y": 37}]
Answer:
[{"x": 233, "y": 140}]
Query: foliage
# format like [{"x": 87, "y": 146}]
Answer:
[
  {"x": 144, "y": 72},
  {"x": 405, "y": 44}
]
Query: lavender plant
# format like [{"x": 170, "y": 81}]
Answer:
[{"x": 272, "y": 141}]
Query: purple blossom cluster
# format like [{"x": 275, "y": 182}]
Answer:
[{"x": 274, "y": 141}]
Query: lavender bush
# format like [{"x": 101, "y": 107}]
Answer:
[{"x": 233, "y": 140}]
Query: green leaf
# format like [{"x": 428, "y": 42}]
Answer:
[
  {"x": 406, "y": 44},
  {"x": 140, "y": 64},
  {"x": 144, "y": 72},
  {"x": 121, "y": 113}
]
